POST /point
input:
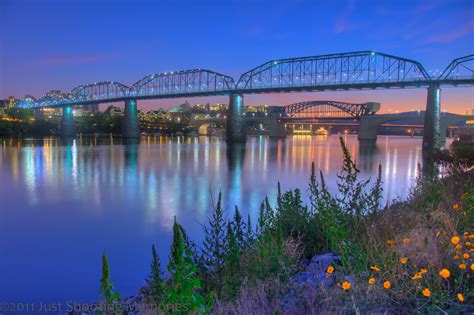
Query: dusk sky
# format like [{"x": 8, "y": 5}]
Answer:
[{"x": 48, "y": 45}]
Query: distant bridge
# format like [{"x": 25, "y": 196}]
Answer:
[{"x": 329, "y": 109}]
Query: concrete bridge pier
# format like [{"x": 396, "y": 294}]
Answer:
[
  {"x": 235, "y": 119},
  {"x": 130, "y": 124},
  {"x": 276, "y": 129},
  {"x": 68, "y": 125},
  {"x": 367, "y": 129},
  {"x": 39, "y": 115},
  {"x": 431, "y": 130}
]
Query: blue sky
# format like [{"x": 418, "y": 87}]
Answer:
[{"x": 60, "y": 44}]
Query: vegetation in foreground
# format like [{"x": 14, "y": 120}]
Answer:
[{"x": 414, "y": 256}]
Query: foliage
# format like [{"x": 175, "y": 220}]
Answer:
[
  {"x": 155, "y": 280},
  {"x": 183, "y": 289},
  {"x": 106, "y": 286},
  {"x": 213, "y": 250}
]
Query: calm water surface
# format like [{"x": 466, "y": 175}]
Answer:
[{"x": 62, "y": 205}]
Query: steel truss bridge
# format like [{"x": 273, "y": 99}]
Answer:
[{"x": 333, "y": 72}]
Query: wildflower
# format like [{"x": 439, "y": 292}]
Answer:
[
  {"x": 456, "y": 257},
  {"x": 438, "y": 233},
  {"x": 468, "y": 243},
  {"x": 459, "y": 246},
  {"x": 465, "y": 256},
  {"x": 372, "y": 280},
  {"x": 423, "y": 270},
  {"x": 472, "y": 267},
  {"x": 387, "y": 284},
  {"x": 471, "y": 250},
  {"x": 417, "y": 276},
  {"x": 460, "y": 297},
  {"x": 346, "y": 286},
  {"x": 403, "y": 260},
  {"x": 426, "y": 292},
  {"x": 445, "y": 273},
  {"x": 330, "y": 270},
  {"x": 455, "y": 240},
  {"x": 406, "y": 241},
  {"x": 455, "y": 206},
  {"x": 390, "y": 242},
  {"x": 462, "y": 266},
  {"x": 374, "y": 268}
]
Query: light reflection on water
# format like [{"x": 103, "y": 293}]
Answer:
[{"x": 61, "y": 205}]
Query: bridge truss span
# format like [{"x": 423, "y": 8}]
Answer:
[
  {"x": 459, "y": 71},
  {"x": 329, "y": 109},
  {"x": 101, "y": 91},
  {"x": 356, "y": 70},
  {"x": 182, "y": 83}
]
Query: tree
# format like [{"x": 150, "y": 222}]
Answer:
[
  {"x": 239, "y": 228},
  {"x": 155, "y": 280},
  {"x": 106, "y": 286},
  {"x": 184, "y": 287},
  {"x": 213, "y": 246},
  {"x": 231, "y": 264}
]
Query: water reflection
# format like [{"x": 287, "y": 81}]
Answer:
[{"x": 71, "y": 200}]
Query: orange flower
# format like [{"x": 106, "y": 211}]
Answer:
[
  {"x": 417, "y": 276},
  {"x": 465, "y": 256},
  {"x": 372, "y": 280},
  {"x": 403, "y": 260},
  {"x": 330, "y": 270},
  {"x": 406, "y": 241},
  {"x": 462, "y": 266},
  {"x": 468, "y": 243},
  {"x": 346, "y": 286},
  {"x": 456, "y": 257},
  {"x": 426, "y": 292},
  {"x": 460, "y": 297},
  {"x": 387, "y": 284},
  {"x": 375, "y": 268},
  {"x": 438, "y": 233},
  {"x": 459, "y": 246},
  {"x": 472, "y": 267},
  {"x": 423, "y": 270},
  {"x": 455, "y": 206},
  {"x": 455, "y": 240},
  {"x": 445, "y": 273},
  {"x": 390, "y": 242}
]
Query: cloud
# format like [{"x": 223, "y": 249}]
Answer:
[
  {"x": 448, "y": 37},
  {"x": 342, "y": 23},
  {"x": 72, "y": 59}
]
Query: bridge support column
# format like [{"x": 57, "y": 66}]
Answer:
[
  {"x": 39, "y": 115},
  {"x": 68, "y": 125},
  {"x": 235, "y": 119},
  {"x": 367, "y": 129},
  {"x": 431, "y": 134},
  {"x": 130, "y": 125},
  {"x": 276, "y": 129}
]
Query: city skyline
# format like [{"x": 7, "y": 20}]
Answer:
[{"x": 37, "y": 64}]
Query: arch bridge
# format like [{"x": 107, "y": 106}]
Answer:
[{"x": 329, "y": 109}]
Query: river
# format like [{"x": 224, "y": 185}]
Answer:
[{"x": 61, "y": 205}]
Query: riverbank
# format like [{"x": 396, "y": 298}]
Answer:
[{"x": 339, "y": 253}]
